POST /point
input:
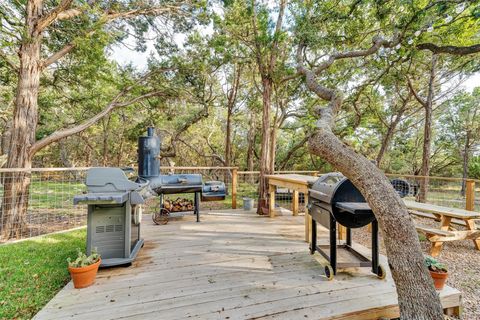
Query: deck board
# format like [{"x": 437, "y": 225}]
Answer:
[{"x": 229, "y": 266}]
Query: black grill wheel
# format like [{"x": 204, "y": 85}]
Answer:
[
  {"x": 161, "y": 217},
  {"x": 329, "y": 272},
  {"x": 381, "y": 273}
]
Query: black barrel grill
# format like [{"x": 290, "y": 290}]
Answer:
[
  {"x": 149, "y": 169},
  {"x": 333, "y": 198},
  {"x": 213, "y": 191}
]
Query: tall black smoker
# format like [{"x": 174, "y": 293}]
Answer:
[
  {"x": 334, "y": 199},
  {"x": 149, "y": 169}
]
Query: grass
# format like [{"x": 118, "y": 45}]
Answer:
[{"x": 33, "y": 271}]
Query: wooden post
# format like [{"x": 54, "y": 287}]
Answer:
[
  {"x": 470, "y": 193},
  {"x": 271, "y": 200},
  {"x": 295, "y": 202},
  {"x": 234, "y": 188}
]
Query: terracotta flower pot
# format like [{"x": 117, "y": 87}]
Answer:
[
  {"x": 84, "y": 276},
  {"x": 439, "y": 279}
]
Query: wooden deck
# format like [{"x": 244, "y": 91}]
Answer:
[{"x": 232, "y": 265}]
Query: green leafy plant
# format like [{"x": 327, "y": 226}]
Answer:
[
  {"x": 83, "y": 260},
  {"x": 435, "y": 266}
]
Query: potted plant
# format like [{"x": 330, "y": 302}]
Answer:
[
  {"x": 438, "y": 271},
  {"x": 83, "y": 269}
]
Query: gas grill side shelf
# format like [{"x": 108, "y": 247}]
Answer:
[{"x": 101, "y": 198}]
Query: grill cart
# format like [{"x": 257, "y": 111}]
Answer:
[
  {"x": 114, "y": 215},
  {"x": 333, "y": 198}
]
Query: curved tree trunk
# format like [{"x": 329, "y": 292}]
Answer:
[{"x": 416, "y": 295}]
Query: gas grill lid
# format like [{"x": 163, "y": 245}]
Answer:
[
  {"x": 325, "y": 187},
  {"x": 331, "y": 188},
  {"x": 109, "y": 180}
]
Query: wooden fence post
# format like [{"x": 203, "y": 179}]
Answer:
[
  {"x": 470, "y": 193},
  {"x": 234, "y": 187}
]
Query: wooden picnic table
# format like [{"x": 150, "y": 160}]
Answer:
[
  {"x": 447, "y": 231},
  {"x": 298, "y": 183}
]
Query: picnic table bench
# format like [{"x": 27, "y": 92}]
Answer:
[{"x": 446, "y": 231}]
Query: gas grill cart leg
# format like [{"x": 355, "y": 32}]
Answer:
[{"x": 197, "y": 205}]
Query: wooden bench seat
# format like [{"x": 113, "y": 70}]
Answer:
[
  {"x": 429, "y": 215},
  {"x": 433, "y": 231}
]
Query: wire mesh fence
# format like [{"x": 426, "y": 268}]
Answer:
[
  {"x": 39, "y": 201},
  {"x": 442, "y": 191}
]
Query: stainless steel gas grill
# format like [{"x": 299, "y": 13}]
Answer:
[
  {"x": 149, "y": 169},
  {"x": 333, "y": 198},
  {"x": 114, "y": 215}
]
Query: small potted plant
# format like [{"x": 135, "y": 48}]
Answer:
[
  {"x": 438, "y": 271},
  {"x": 83, "y": 269}
]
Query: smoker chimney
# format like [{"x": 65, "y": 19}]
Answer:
[{"x": 148, "y": 154}]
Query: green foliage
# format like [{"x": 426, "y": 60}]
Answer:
[
  {"x": 433, "y": 265},
  {"x": 474, "y": 167},
  {"x": 219, "y": 39},
  {"x": 33, "y": 271},
  {"x": 83, "y": 260}
]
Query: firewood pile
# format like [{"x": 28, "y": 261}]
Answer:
[{"x": 179, "y": 204}]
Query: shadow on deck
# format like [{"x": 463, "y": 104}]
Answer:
[{"x": 232, "y": 265}]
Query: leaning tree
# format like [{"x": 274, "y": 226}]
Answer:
[
  {"x": 36, "y": 36},
  {"x": 334, "y": 39}
]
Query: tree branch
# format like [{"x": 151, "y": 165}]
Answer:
[
  {"x": 67, "y": 14},
  {"x": 58, "y": 55},
  {"x": 50, "y": 17},
  {"x": 63, "y": 133},
  {"x": 459, "y": 51},
  {"x": 415, "y": 93},
  {"x": 334, "y": 97}
]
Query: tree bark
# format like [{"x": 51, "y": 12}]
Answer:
[
  {"x": 388, "y": 137},
  {"x": 266, "y": 69},
  {"x": 231, "y": 101},
  {"x": 273, "y": 146},
  {"x": 251, "y": 147},
  {"x": 465, "y": 159},
  {"x": 265, "y": 168},
  {"x": 416, "y": 296},
  {"x": 427, "y": 135},
  {"x": 16, "y": 185}
]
